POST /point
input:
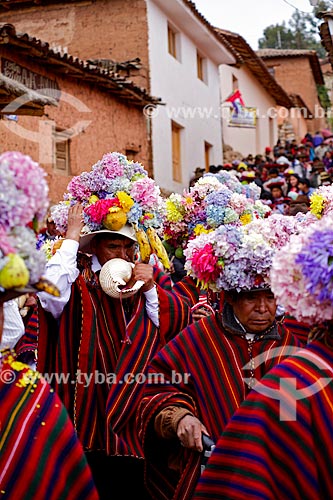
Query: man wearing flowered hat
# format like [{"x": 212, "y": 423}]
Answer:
[
  {"x": 40, "y": 455},
  {"x": 278, "y": 443},
  {"x": 211, "y": 366},
  {"x": 109, "y": 337}
]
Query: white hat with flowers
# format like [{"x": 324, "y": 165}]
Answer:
[
  {"x": 302, "y": 273},
  {"x": 117, "y": 195},
  {"x": 239, "y": 257},
  {"x": 214, "y": 200}
]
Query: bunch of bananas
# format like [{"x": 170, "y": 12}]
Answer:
[{"x": 149, "y": 242}]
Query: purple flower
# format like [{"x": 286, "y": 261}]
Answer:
[{"x": 316, "y": 261}]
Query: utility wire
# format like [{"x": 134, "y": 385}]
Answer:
[{"x": 296, "y": 8}]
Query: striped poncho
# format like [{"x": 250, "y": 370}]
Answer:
[
  {"x": 201, "y": 370},
  {"x": 281, "y": 448},
  {"x": 111, "y": 342},
  {"x": 40, "y": 455}
]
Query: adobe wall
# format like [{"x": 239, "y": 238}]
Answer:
[
  {"x": 296, "y": 77},
  {"x": 98, "y": 123},
  {"x": 103, "y": 29}
]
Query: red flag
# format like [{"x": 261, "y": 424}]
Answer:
[{"x": 236, "y": 100}]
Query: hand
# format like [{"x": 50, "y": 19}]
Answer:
[
  {"x": 189, "y": 432},
  {"x": 143, "y": 272},
  {"x": 75, "y": 222},
  {"x": 200, "y": 312}
]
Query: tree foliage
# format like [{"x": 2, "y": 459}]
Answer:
[{"x": 301, "y": 32}]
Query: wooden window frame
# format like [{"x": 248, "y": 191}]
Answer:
[
  {"x": 173, "y": 42},
  {"x": 201, "y": 67},
  {"x": 176, "y": 148},
  {"x": 62, "y": 152}
]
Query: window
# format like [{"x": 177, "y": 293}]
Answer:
[
  {"x": 173, "y": 48},
  {"x": 61, "y": 161},
  {"x": 131, "y": 154},
  {"x": 176, "y": 152},
  {"x": 208, "y": 148},
  {"x": 201, "y": 68},
  {"x": 235, "y": 85}
]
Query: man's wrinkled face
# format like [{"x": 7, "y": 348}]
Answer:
[
  {"x": 255, "y": 310},
  {"x": 109, "y": 247}
]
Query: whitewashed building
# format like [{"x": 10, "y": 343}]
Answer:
[
  {"x": 262, "y": 97},
  {"x": 184, "y": 57}
]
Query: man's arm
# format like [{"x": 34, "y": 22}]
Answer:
[
  {"x": 62, "y": 269},
  {"x": 13, "y": 327}
]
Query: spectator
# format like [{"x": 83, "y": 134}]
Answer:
[
  {"x": 198, "y": 172},
  {"x": 317, "y": 168},
  {"x": 325, "y": 179},
  {"x": 300, "y": 204},
  {"x": 317, "y": 139},
  {"x": 293, "y": 184},
  {"x": 304, "y": 185}
]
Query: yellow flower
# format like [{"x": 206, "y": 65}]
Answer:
[
  {"x": 125, "y": 201},
  {"x": 317, "y": 202},
  {"x": 115, "y": 219},
  {"x": 93, "y": 198},
  {"x": 189, "y": 200},
  {"x": 245, "y": 219},
  {"x": 200, "y": 229},
  {"x": 173, "y": 214}
]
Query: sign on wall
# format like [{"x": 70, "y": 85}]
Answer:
[
  {"x": 245, "y": 117},
  {"x": 30, "y": 79}
]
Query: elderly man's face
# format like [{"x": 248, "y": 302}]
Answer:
[
  {"x": 255, "y": 310},
  {"x": 111, "y": 247}
]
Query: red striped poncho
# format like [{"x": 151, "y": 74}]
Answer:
[
  {"x": 94, "y": 339},
  {"x": 215, "y": 387},
  {"x": 40, "y": 455},
  {"x": 300, "y": 330},
  {"x": 279, "y": 448},
  {"x": 28, "y": 343}
]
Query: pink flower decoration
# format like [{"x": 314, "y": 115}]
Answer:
[
  {"x": 99, "y": 210},
  {"x": 112, "y": 167},
  {"x": 78, "y": 188},
  {"x": 5, "y": 246},
  {"x": 204, "y": 264},
  {"x": 145, "y": 192}
]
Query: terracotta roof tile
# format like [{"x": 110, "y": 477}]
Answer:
[
  {"x": 247, "y": 56},
  {"x": 66, "y": 64}
]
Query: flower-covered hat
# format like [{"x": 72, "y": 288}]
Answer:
[
  {"x": 302, "y": 273},
  {"x": 24, "y": 190},
  {"x": 239, "y": 257},
  {"x": 214, "y": 200},
  {"x": 114, "y": 193},
  {"x": 23, "y": 199}
]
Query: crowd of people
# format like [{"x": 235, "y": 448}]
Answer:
[
  {"x": 124, "y": 362},
  {"x": 286, "y": 172}
]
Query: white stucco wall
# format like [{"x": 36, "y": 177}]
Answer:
[
  {"x": 189, "y": 102},
  {"x": 248, "y": 140}
]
